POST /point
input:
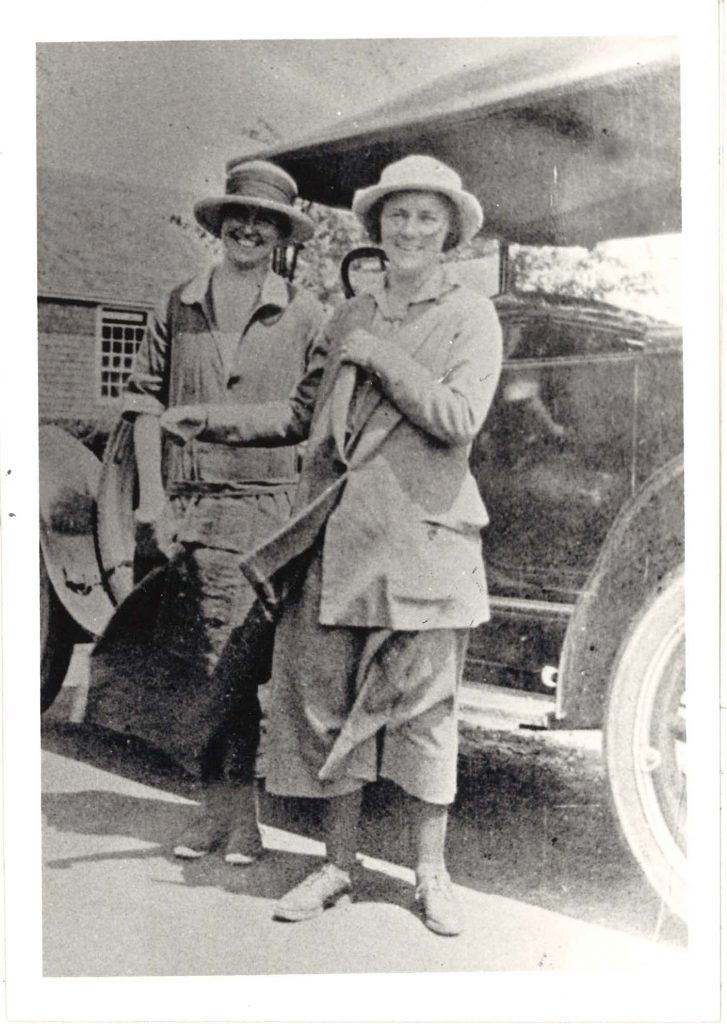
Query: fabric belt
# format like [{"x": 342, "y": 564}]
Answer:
[{"x": 207, "y": 488}]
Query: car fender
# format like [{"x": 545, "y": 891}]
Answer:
[{"x": 643, "y": 545}]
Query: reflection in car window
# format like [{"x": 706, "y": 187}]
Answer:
[{"x": 553, "y": 338}]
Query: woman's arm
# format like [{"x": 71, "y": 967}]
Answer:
[
  {"x": 148, "y": 455},
  {"x": 265, "y": 424},
  {"x": 452, "y": 408},
  {"x": 147, "y": 389},
  {"x": 145, "y": 398}
]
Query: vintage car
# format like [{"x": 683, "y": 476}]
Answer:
[{"x": 580, "y": 459}]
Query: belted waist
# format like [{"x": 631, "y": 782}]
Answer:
[
  {"x": 191, "y": 488},
  {"x": 206, "y": 468}
]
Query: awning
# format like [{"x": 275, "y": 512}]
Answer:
[{"x": 564, "y": 141}]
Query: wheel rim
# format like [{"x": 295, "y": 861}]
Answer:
[{"x": 660, "y": 747}]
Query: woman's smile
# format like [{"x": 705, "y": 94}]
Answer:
[
  {"x": 414, "y": 226},
  {"x": 247, "y": 241},
  {"x": 249, "y": 238}
]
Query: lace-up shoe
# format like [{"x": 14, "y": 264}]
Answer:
[
  {"x": 202, "y": 835},
  {"x": 325, "y": 888},
  {"x": 243, "y": 844},
  {"x": 436, "y": 899}
]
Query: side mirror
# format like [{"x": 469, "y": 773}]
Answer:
[{"x": 360, "y": 268}]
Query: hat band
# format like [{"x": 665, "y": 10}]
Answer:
[{"x": 244, "y": 184}]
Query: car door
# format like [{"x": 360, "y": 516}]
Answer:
[{"x": 556, "y": 459}]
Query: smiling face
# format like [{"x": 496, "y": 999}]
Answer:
[
  {"x": 414, "y": 227},
  {"x": 249, "y": 236}
]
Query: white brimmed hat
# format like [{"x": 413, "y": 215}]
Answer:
[
  {"x": 261, "y": 184},
  {"x": 423, "y": 174}
]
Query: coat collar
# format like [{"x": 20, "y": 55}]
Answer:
[
  {"x": 438, "y": 284},
  {"x": 274, "y": 291}
]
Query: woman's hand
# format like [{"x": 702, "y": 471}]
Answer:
[
  {"x": 155, "y": 536},
  {"x": 158, "y": 528},
  {"x": 184, "y": 422},
  {"x": 363, "y": 349}
]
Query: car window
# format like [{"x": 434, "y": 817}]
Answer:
[{"x": 553, "y": 338}]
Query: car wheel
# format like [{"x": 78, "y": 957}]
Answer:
[
  {"x": 645, "y": 741},
  {"x": 56, "y": 641}
]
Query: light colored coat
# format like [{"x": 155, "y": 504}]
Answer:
[{"x": 402, "y": 548}]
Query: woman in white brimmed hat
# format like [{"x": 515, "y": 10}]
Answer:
[
  {"x": 235, "y": 333},
  {"x": 370, "y": 645},
  {"x": 421, "y": 174}
]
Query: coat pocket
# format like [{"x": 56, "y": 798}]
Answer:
[
  {"x": 467, "y": 514},
  {"x": 445, "y": 566}
]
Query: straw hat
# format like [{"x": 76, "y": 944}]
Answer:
[
  {"x": 422, "y": 174},
  {"x": 260, "y": 184}
]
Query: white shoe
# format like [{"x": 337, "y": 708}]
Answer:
[{"x": 325, "y": 888}]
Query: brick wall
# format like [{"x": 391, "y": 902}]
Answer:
[
  {"x": 57, "y": 317},
  {"x": 67, "y": 368}
]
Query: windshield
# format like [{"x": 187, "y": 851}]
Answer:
[{"x": 641, "y": 274}]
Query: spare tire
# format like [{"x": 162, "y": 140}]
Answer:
[
  {"x": 58, "y": 634},
  {"x": 645, "y": 741}
]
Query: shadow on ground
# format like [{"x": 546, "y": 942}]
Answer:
[{"x": 531, "y": 822}]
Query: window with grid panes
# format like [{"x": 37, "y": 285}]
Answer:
[{"x": 121, "y": 331}]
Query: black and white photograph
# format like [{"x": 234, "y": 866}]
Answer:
[{"x": 360, "y": 489}]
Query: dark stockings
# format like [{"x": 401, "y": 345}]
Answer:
[
  {"x": 428, "y": 823},
  {"x": 340, "y": 824}
]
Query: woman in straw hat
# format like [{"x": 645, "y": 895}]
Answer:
[
  {"x": 237, "y": 333},
  {"x": 370, "y": 645}
]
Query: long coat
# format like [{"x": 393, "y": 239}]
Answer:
[
  {"x": 402, "y": 547},
  {"x": 153, "y": 672}
]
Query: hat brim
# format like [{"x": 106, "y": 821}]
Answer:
[
  {"x": 208, "y": 213},
  {"x": 470, "y": 212}
]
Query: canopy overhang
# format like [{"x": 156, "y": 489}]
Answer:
[{"x": 564, "y": 141}]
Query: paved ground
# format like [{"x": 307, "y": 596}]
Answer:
[
  {"x": 115, "y": 903},
  {"x": 543, "y": 878}
]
